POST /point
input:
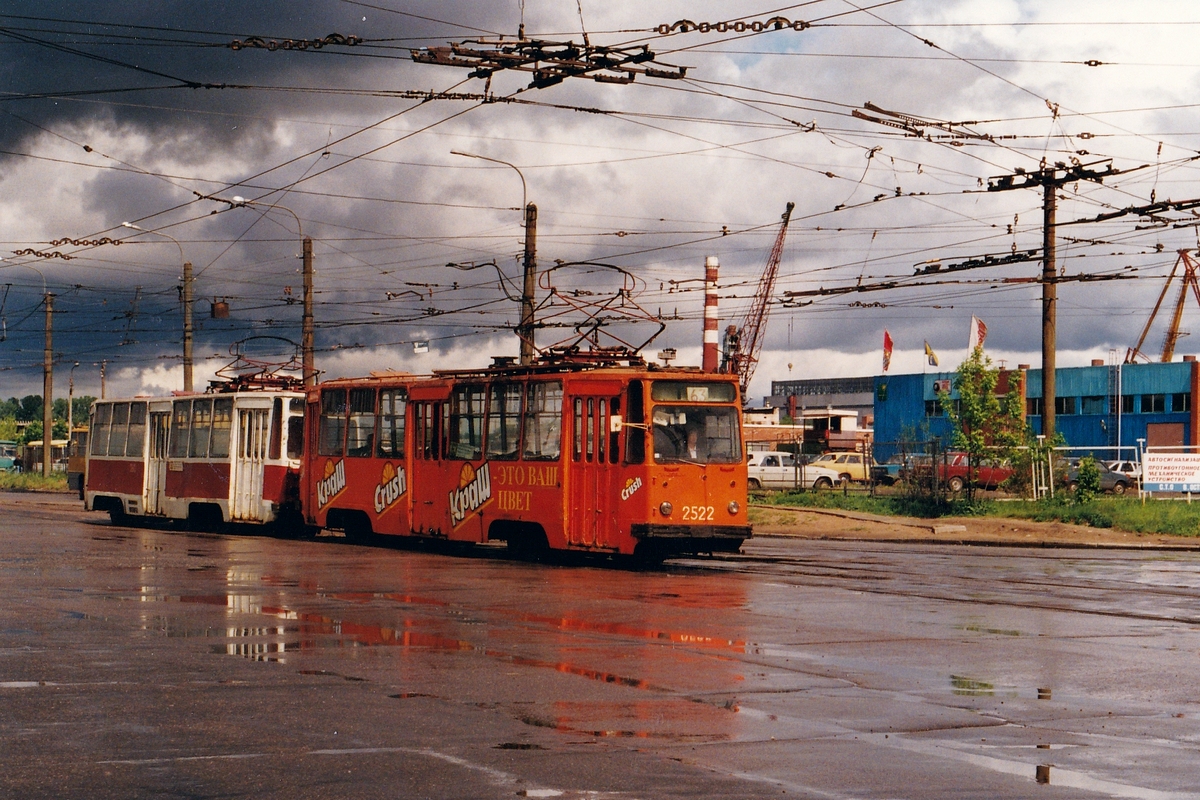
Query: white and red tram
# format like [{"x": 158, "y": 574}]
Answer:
[{"x": 209, "y": 458}]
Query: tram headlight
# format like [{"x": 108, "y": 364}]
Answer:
[
  {"x": 733, "y": 507},
  {"x": 665, "y": 508}
]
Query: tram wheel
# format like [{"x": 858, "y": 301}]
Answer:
[{"x": 527, "y": 545}]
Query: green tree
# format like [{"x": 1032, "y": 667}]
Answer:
[
  {"x": 31, "y": 408},
  {"x": 83, "y": 409},
  {"x": 985, "y": 425},
  {"x": 1087, "y": 480},
  {"x": 10, "y": 408},
  {"x": 8, "y": 429},
  {"x": 33, "y": 431}
]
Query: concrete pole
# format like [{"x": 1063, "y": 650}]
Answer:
[
  {"x": 48, "y": 389},
  {"x": 187, "y": 326},
  {"x": 1049, "y": 308},
  {"x": 529, "y": 291},
  {"x": 308, "y": 364},
  {"x": 710, "y": 344}
]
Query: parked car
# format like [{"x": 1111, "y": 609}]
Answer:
[
  {"x": 1131, "y": 469},
  {"x": 849, "y": 466},
  {"x": 954, "y": 471},
  {"x": 897, "y": 468},
  {"x": 776, "y": 470},
  {"x": 1110, "y": 480}
]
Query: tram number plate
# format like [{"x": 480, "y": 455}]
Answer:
[{"x": 698, "y": 513}]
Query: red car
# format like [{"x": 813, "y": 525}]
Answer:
[{"x": 988, "y": 473}]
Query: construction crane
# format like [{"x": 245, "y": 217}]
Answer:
[
  {"x": 744, "y": 341},
  {"x": 1173, "y": 333}
]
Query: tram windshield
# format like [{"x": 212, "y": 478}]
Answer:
[{"x": 696, "y": 434}]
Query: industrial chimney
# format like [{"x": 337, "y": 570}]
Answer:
[{"x": 709, "y": 360}]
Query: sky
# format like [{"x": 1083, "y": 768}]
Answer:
[{"x": 882, "y": 122}]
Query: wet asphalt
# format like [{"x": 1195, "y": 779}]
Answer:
[{"x": 141, "y": 662}]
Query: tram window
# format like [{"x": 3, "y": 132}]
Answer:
[
  {"x": 442, "y": 432},
  {"x": 360, "y": 437},
  {"x": 201, "y": 428},
  {"x": 295, "y": 437},
  {"x": 543, "y": 421},
  {"x": 614, "y": 437},
  {"x": 120, "y": 429},
  {"x": 181, "y": 415},
  {"x": 421, "y": 430},
  {"x": 504, "y": 421},
  {"x": 591, "y": 430},
  {"x": 275, "y": 446},
  {"x": 222, "y": 422},
  {"x": 466, "y": 422},
  {"x": 577, "y": 428},
  {"x": 392, "y": 403},
  {"x": 101, "y": 424},
  {"x": 135, "y": 445},
  {"x": 682, "y": 391},
  {"x": 635, "y": 443},
  {"x": 332, "y": 436},
  {"x": 696, "y": 434},
  {"x": 601, "y": 425}
]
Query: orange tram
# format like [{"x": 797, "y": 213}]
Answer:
[
  {"x": 582, "y": 455},
  {"x": 629, "y": 460}
]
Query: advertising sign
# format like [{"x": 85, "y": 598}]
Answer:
[{"x": 1171, "y": 472}]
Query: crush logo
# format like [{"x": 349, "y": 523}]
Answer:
[
  {"x": 631, "y": 486},
  {"x": 473, "y": 493},
  {"x": 392, "y": 486},
  {"x": 332, "y": 484}
]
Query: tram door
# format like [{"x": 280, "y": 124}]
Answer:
[
  {"x": 156, "y": 470},
  {"x": 591, "y": 513},
  {"x": 253, "y": 428}
]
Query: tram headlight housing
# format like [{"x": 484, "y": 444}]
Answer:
[
  {"x": 665, "y": 508},
  {"x": 733, "y": 507}
]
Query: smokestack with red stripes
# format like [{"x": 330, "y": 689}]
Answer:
[{"x": 709, "y": 361}]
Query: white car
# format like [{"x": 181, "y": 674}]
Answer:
[
  {"x": 1131, "y": 469},
  {"x": 776, "y": 470}
]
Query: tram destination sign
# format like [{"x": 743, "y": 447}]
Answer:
[{"x": 1171, "y": 472}]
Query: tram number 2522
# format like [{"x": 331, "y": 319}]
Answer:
[{"x": 697, "y": 513}]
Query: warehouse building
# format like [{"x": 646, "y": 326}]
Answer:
[{"x": 1104, "y": 406}]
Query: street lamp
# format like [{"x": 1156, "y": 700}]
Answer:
[
  {"x": 187, "y": 304},
  {"x": 525, "y": 329},
  {"x": 308, "y": 365}
]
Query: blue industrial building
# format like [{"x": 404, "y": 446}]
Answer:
[{"x": 1101, "y": 406}]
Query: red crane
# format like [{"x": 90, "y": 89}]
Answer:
[
  {"x": 744, "y": 341},
  {"x": 1173, "y": 333}
]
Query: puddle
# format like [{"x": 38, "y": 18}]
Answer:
[
  {"x": 1040, "y": 773},
  {"x": 673, "y": 719},
  {"x": 24, "y": 684}
]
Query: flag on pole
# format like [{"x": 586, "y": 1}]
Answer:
[
  {"x": 930, "y": 355},
  {"x": 978, "y": 334},
  {"x": 887, "y": 350}
]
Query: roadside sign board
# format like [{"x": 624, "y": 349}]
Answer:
[{"x": 1171, "y": 472}]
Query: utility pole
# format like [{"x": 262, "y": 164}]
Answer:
[
  {"x": 187, "y": 326},
  {"x": 1050, "y": 178},
  {"x": 308, "y": 365},
  {"x": 529, "y": 290},
  {"x": 48, "y": 388},
  {"x": 1049, "y": 308},
  {"x": 103, "y": 364}
]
